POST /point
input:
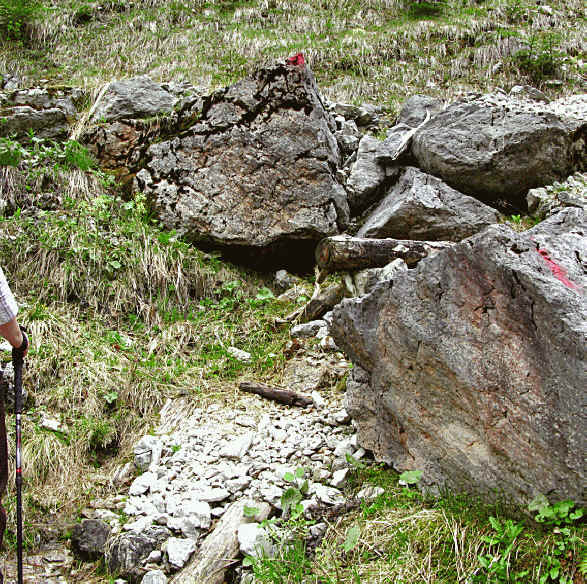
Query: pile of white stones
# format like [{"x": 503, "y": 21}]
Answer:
[{"x": 219, "y": 455}]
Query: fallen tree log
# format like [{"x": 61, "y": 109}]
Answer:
[
  {"x": 220, "y": 548},
  {"x": 321, "y": 302},
  {"x": 278, "y": 394},
  {"x": 342, "y": 252}
]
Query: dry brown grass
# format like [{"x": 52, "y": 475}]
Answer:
[
  {"x": 110, "y": 347},
  {"x": 360, "y": 50}
]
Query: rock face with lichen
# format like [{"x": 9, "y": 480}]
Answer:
[
  {"x": 471, "y": 367},
  {"x": 256, "y": 172},
  {"x": 131, "y": 115},
  {"x": 47, "y": 112},
  {"x": 496, "y": 147},
  {"x": 422, "y": 207}
]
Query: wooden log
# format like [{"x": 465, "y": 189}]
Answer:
[
  {"x": 342, "y": 252},
  {"x": 320, "y": 303},
  {"x": 220, "y": 548},
  {"x": 278, "y": 394}
]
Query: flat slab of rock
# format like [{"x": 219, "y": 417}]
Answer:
[
  {"x": 497, "y": 147},
  {"x": 471, "y": 368},
  {"x": 423, "y": 207},
  {"x": 368, "y": 178},
  {"x": 88, "y": 539},
  {"x": 256, "y": 172},
  {"x": 139, "y": 97},
  {"x": 219, "y": 549},
  {"x": 47, "y": 111},
  {"x": 179, "y": 550}
]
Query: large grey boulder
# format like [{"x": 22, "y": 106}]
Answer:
[
  {"x": 139, "y": 97},
  {"x": 369, "y": 177},
  {"x": 421, "y": 206},
  {"x": 471, "y": 367},
  {"x": 48, "y": 112},
  {"x": 496, "y": 147},
  {"x": 256, "y": 172}
]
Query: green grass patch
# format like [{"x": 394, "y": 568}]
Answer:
[
  {"x": 360, "y": 51},
  {"x": 409, "y": 536},
  {"x": 122, "y": 315}
]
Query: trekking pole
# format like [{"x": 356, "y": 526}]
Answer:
[{"x": 17, "y": 362}]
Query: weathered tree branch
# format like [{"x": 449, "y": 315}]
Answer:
[
  {"x": 355, "y": 253},
  {"x": 278, "y": 394}
]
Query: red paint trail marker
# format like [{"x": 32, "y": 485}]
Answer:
[
  {"x": 297, "y": 59},
  {"x": 557, "y": 271}
]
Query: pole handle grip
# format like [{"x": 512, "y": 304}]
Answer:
[{"x": 18, "y": 362}]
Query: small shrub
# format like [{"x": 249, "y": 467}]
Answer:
[
  {"x": 11, "y": 152},
  {"x": 541, "y": 60},
  {"x": 423, "y": 9},
  {"x": 17, "y": 15}
]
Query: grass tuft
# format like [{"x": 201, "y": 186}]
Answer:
[{"x": 122, "y": 316}]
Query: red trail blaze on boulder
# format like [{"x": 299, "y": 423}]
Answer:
[
  {"x": 557, "y": 271},
  {"x": 297, "y": 59}
]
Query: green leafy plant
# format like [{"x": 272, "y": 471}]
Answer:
[
  {"x": 250, "y": 511},
  {"x": 110, "y": 397},
  {"x": 290, "y": 566},
  {"x": 410, "y": 477},
  {"x": 16, "y": 15},
  {"x": 560, "y": 517},
  {"x": 496, "y": 565},
  {"x": 11, "y": 152},
  {"x": 352, "y": 538},
  {"x": 289, "y": 532},
  {"x": 291, "y": 499}
]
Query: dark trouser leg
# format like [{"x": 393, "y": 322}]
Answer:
[{"x": 3, "y": 468}]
